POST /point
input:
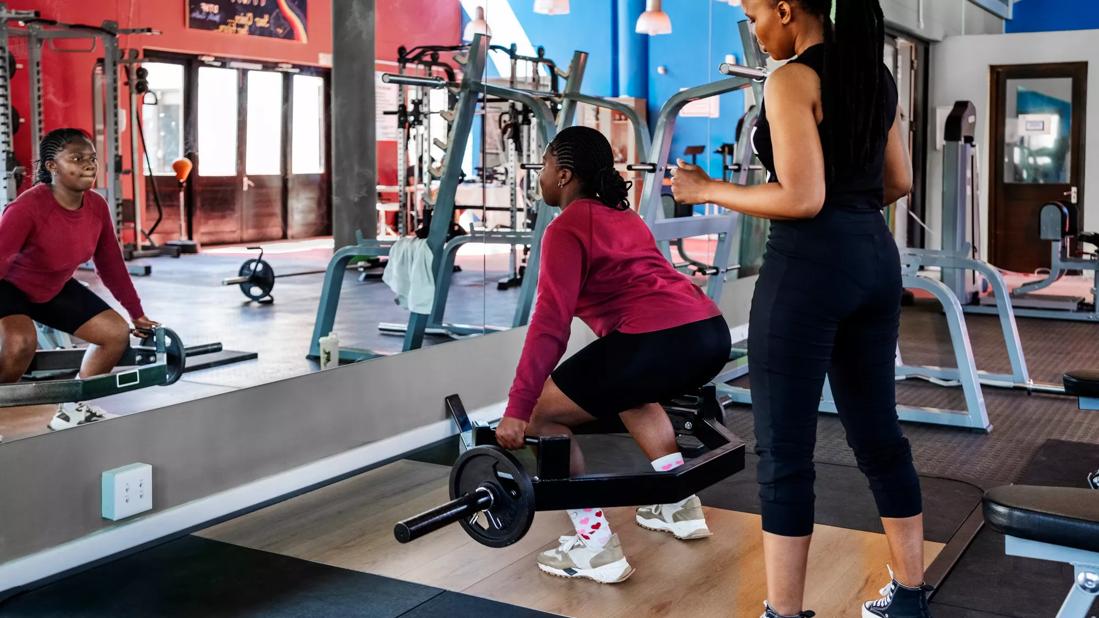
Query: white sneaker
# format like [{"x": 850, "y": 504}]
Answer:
[
  {"x": 574, "y": 558},
  {"x": 71, "y": 415},
  {"x": 685, "y": 520}
]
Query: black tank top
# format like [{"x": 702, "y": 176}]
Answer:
[{"x": 861, "y": 186}]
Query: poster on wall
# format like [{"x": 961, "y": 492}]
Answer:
[{"x": 277, "y": 19}]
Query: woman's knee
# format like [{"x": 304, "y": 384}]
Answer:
[
  {"x": 107, "y": 329},
  {"x": 19, "y": 345}
]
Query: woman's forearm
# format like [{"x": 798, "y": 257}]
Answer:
[{"x": 769, "y": 201}]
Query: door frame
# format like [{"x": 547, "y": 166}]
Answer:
[
  {"x": 999, "y": 74},
  {"x": 192, "y": 63}
]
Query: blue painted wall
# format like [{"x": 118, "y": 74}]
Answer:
[
  {"x": 1053, "y": 15},
  {"x": 702, "y": 33}
]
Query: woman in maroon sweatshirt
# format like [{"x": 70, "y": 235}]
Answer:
[
  {"x": 659, "y": 336},
  {"x": 45, "y": 235}
]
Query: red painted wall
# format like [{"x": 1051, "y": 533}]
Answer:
[{"x": 67, "y": 76}]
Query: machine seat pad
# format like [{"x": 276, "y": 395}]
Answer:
[
  {"x": 1065, "y": 516},
  {"x": 1082, "y": 383},
  {"x": 1092, "y": 238}
]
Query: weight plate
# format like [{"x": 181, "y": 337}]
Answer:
[
  {"x": 176, "y": 354},
  {"x": 261, "y": 279},
  {"x": 513, "y": 504}
]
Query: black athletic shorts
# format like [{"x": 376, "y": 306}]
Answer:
[
  {"x": 73, "y": 306},
  {"x": 620, "y": 372}
]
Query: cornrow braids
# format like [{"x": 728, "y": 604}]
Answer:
[
  {"x": 587, "y": 153},
  {"x": 51, "y": 145}
]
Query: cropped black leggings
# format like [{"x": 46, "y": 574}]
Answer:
[{"x": 827, "y": 303}]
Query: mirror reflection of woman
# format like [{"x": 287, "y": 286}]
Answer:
[
  {"x": 45, "y": 235},
  {"x": 827, "y": 301}
]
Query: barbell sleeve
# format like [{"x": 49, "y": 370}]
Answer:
[
  {"x": 413, "y": 80},
  {"x": 429, "y": 521},
  {"x": 736, "y": 70}
]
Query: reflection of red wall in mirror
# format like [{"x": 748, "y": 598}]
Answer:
[{"x": 66, "y": 83}]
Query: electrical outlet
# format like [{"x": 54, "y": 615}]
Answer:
[{"x": 127, "y": 491}]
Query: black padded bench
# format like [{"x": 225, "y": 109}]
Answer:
[
  {"x": 1085, "y": 385},
  {"x": 1060, "y": 524}
]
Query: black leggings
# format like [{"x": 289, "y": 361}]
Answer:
[{"x": 827, "y": 302}]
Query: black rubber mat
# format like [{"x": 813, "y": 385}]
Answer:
[
  {"x": 217, "y": 359},
  {"x": 843, "y": 497},
  {"x": 987, "y": 580},
  {"x": 192, "y": 576}
]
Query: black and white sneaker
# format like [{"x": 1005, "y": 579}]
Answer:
[
  {"x": 74, "y": 414},
  {"x": 898, "y": 602},
  {"x": 769, "y": 612},
  {"x": 1093, "y": 480}
]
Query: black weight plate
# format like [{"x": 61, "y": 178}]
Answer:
[
  {"x": 512, "y": 511},
  {"x": 261, "y": 279},
  {"x": 175, "y": 352}
]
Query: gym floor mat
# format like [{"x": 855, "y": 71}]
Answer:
[
  {"x": 193, "y": 576},
  {"x": 987, "y": 580},
  {"x": 843, "y": 496}
]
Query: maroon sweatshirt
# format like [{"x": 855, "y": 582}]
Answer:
[
  {"x": 603, "y": 266},
  {"x": 42, "y": 243}
]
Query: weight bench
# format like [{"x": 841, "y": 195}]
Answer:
[
  {"x": 494, "y": 498},
  {"x": 1058, "y": 223},
  {"x": 1085, "y": 385},
  {"x": 1060, "y": 524}
]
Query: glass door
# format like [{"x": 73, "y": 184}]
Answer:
[
  {"x": 1037, "y": 144},
  {"x": 219, "y": 179}
]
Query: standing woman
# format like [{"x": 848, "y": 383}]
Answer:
[
  {"x": 45, "y": 235},
  {"x": 827, "y": 302}
]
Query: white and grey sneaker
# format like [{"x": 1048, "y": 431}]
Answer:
[
  {"x": 71, "y": 415},
  {"x": 1093, "y": 480},
  {"x": 898, "y": 601},
  {"x": 684, "y": 519},
  {"x": 574, "y": 558}
]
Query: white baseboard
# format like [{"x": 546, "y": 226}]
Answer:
[{"x": 141, "y": 530}]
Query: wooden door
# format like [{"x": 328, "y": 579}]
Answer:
[
  {"x": 1037, "y": 155},
  {"x": 218, "y": 177}
]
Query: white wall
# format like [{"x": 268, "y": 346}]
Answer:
[
  {"x": 940, "y": 18},
  {"x": 960, "y": 69}
]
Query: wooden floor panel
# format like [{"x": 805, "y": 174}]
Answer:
[
  {"x": 25, "y": 421},
  {"x": 349, "y": 525}
]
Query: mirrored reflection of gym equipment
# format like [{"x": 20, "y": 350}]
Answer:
[{"x": 469, "y": 92}]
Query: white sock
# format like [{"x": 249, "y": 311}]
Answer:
[
  {"x": 591, "y": 525},
  {"x": 670, "y": 462}
]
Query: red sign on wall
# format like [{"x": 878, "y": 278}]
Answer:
[{"x": 279, "y": 19}]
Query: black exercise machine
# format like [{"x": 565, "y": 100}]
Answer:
[
  {"x": 1059, "y": 524},
  {"x": 494, "y": 497}
]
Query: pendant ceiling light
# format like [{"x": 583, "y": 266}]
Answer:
[
  {"x": 654, "y": 20},
  {"x": 551, "y": 7},
  {"x": 477, "y": 26}
]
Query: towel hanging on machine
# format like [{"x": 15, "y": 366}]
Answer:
[{"x": 409, "y": 274}]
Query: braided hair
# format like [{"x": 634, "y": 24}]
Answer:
[
  {"x": 51, "y": 145},
  {"x": 852, "y": 79},
  {"x": 587, "y": 153}
]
